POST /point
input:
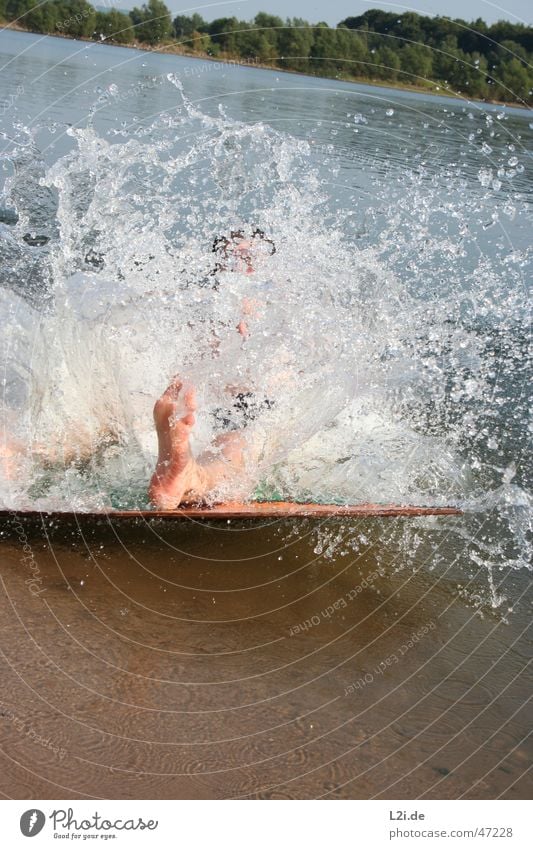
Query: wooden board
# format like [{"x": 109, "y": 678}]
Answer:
[{"x": 253, "y": 510}]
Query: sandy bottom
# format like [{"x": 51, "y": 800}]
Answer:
[{"x": 151, "y": 661}]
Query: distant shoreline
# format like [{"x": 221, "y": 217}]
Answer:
[{"x": 174, "y": 50}]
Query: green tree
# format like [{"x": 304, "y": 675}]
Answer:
[
  {"x": 410, "y": 27},
  {"x": 271, "y": 27},
  {"x": 351, "y": 49},
  {"x": 152, "y": 22},
  {"x": 183, "y": 26},
  {"x": 512, "y": 80},
  {"x": 224, "y": 33},
  {"x": 324, "y": 49},
  {"x": 114, "y": 26},
  {"x": 445, "y": 58},
  {"x": 294, "y": 44},
  {"x": 42, "y": 18},
  {"x": 416, "y": 60},
  {"x": 247, "y": 43},
  {"x": 75, "y": 18},
  {"x": 473, "y": 38},
  {"x": 476, "y": 77},
  {"x": 15, "y": 9},
  {"x": 199, "y": 42},
  {"x": 468, "y": 75},
  {"x": 388, "y": 63},
  {"x": 512, "y": 48},
  {"x": 374, "y": 19}
]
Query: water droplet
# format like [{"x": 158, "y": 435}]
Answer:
[{"x": 485, "y": 176}]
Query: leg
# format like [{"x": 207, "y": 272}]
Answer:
[
  {"x": 178, "y": 475},
  {"x": 11, "y": 453}
]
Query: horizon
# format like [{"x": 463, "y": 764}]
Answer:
[{"x": 519, "y": 11}]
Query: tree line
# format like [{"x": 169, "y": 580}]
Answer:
[{"x": 473, "y": 59}]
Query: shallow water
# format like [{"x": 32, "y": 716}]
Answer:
[
  {"x": 220, "y": 662},
  {"x": 392, "y": 339}
]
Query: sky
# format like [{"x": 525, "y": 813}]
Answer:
[{"x": 333, "y": 11}]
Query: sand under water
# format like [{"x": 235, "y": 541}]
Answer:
[{"x": 200, "y": 661}]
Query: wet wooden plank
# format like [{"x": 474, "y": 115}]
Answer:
[{"x": 251, "y": 510}]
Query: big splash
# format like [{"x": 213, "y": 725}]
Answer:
[{"x": 387, "y": 350}]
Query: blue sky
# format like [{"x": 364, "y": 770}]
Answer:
[{"x": 333, "y": 11}]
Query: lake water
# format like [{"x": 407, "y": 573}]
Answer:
[{"x": 379, "y": 658}]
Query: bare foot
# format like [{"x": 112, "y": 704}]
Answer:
[
  {"x": 176, "y": 470},
  {"x": 178, "y": 477}
]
